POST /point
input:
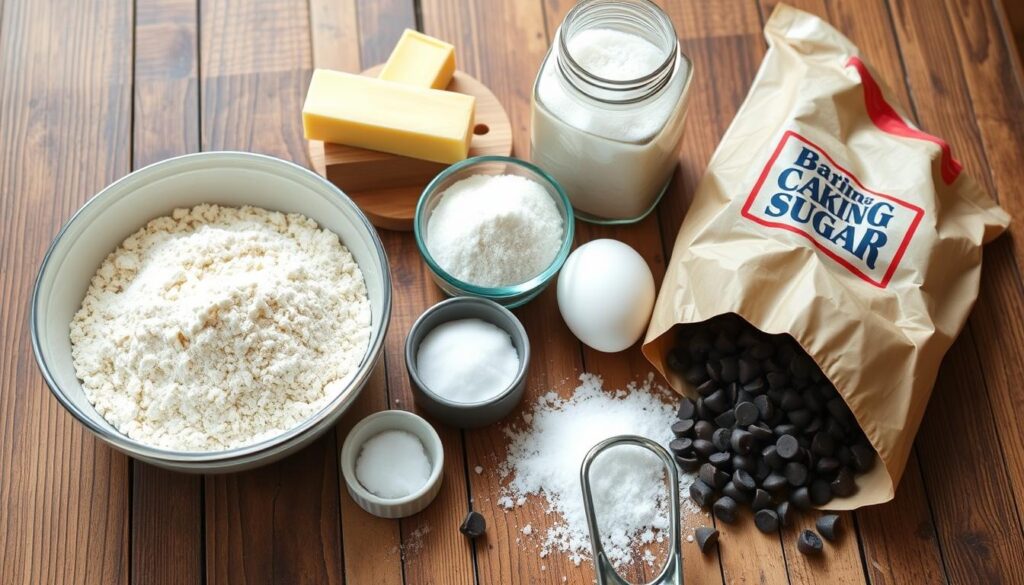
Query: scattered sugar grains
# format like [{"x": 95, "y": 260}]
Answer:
[
  {"x": 216, "y": 327},
  {"x": 628, "y": 482}
]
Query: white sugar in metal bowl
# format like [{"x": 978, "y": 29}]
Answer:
[{"x": 224, "y": 178}]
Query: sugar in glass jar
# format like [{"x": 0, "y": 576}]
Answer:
[{"x": 608, "y": 108}]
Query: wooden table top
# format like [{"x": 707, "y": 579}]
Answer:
[{"x": 91, "y": 89}]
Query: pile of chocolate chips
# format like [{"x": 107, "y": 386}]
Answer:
[{"x": 768, "y": 430}]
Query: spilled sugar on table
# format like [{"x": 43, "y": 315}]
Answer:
[{"x": 90, "y": 90}]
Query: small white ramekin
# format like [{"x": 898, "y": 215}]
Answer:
[{"x": 392, "y": 420}]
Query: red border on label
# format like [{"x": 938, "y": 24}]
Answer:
[{"x": 919, "y": 213}]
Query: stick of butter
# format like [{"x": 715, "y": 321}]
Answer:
[
  {"x": 428, "y": 124},
  {"x": 420, "y": 60}
]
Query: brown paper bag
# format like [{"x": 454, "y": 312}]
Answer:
[{"x": 825, "y": 214}]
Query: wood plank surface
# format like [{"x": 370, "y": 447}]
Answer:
[
  {"x": 279, "y": 523},
  {"x": 90, "y": 90},
  {"x": 65, "y": 132},
  {"x": 167, "y": 507}
]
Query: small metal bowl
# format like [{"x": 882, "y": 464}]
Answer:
[
  {"x": 373, "y": 425},
  {"x": 465, "y": 414}
]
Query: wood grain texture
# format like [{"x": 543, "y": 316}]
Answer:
[
  {"x": 974, "y": 546},
  {"x": 167, "y": 507},
  {"x": 65, "y": 131},
  {"x": 279, "y": 523}
]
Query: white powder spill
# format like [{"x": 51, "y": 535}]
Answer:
[{"x": 628, "y": 483}]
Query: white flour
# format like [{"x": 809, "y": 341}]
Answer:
[
  {"x": 219, "y": 327},
  {"x": 630, "y": 494}
]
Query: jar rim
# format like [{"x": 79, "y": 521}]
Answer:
[{"x": 648, "y": 84}]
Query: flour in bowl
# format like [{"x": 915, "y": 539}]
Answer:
[{"x": 217, "y": 327}]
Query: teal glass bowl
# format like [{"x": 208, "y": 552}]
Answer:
[{"x": 513, "y": 295}]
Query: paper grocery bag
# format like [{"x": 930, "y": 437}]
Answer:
[{"x": 826, "y": 215}]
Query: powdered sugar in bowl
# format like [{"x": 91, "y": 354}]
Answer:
[{"x": 494, "y": 227}]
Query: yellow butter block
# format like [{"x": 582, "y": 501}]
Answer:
[
  {"x": 420, "y": 60},
  {"x": 423, "y": 123}
]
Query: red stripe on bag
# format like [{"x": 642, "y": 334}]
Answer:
[{"x": 887, "y": 120}]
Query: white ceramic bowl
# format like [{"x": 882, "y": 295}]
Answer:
[
  {"x": 392, "y": 420},
  {"x": 225, "y": 178}
]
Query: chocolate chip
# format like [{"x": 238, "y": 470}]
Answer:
[
  {"x": 721, "y": 439},
  {"x": 808, "y": 543},
  {"x": 701, "y": 493},
  {"x": 706, "y": 538},
  {"x": 730, "y": 369},
  {"x": 718, "y": 401},
  {"x": 800, "y": 367},
  {"x": 702, "y": 447},
  {"x": 827, "y": 465},
  {"x": 767, "y": 521},
  {"x": 762, "y": 499},
  {"x": 695, "y": 374},
  {"x": 838, "y": 409},
  {"x": 706, "y": 389},
  {"x": 791, "y": 400},
  {"x": 681, "y": 446},
  {"x": 742, "y": 442},
  {"x": 777, "y": 380},
  {"x": 735, "y": 492},
  {"x": 744, "y": 462},
  {"x": 721, "y": 460},
  {"x": 703, "y": 412},
  {"x": 786, "y": 429},
  {"x": 686, "y": 409},
  {"x": 727, "y": 419},
  {"x": 710, "y": 475},
  {"x": 787, "y": 446},
  {"x": 474, "y": 525},
  {"x": 800, "y": 417},
  {"x": 713, "y": 369},
  {"x": 748, "y": 370},
  {"x": 821, "y": 492},
  {"x": 765, "y": 408},
  {"x": 746, "y": 413},
  {"x": 761, "y": 433},
  {"x": 774, "y": 482},
  {"x": 801, "y": 498},
  {"x": 844, "y": 485},
  {"x": 814, "y": 426},
  {"x": 682, "y": 428},
  {"x": 743, "y": 480},
  {"x": 863, "y": 457},
  {"x": 796, "y": 474},
  {"x": 755, "y": 386},
  {"x": 829, "y": 526},
  {"x": 725, "y": 509},
  {"x": 703, "y": 429},
  {"x": 771, "y": 456},
  {"x": 687, "y": 462},
  {"x": 785, "y": 513},
  {"x": 823, "y": 444}
]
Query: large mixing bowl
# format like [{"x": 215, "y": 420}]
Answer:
[{"x": 224, "y": 178}]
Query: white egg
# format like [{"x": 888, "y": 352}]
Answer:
[{"x": 606, "y": 294}]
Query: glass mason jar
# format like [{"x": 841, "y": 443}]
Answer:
[{"x": 612, "y": 144}]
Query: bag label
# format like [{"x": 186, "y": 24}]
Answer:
[{"x": 804, "y": 191}]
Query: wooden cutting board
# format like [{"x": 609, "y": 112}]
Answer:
[{"x": 387, "y": 186}]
